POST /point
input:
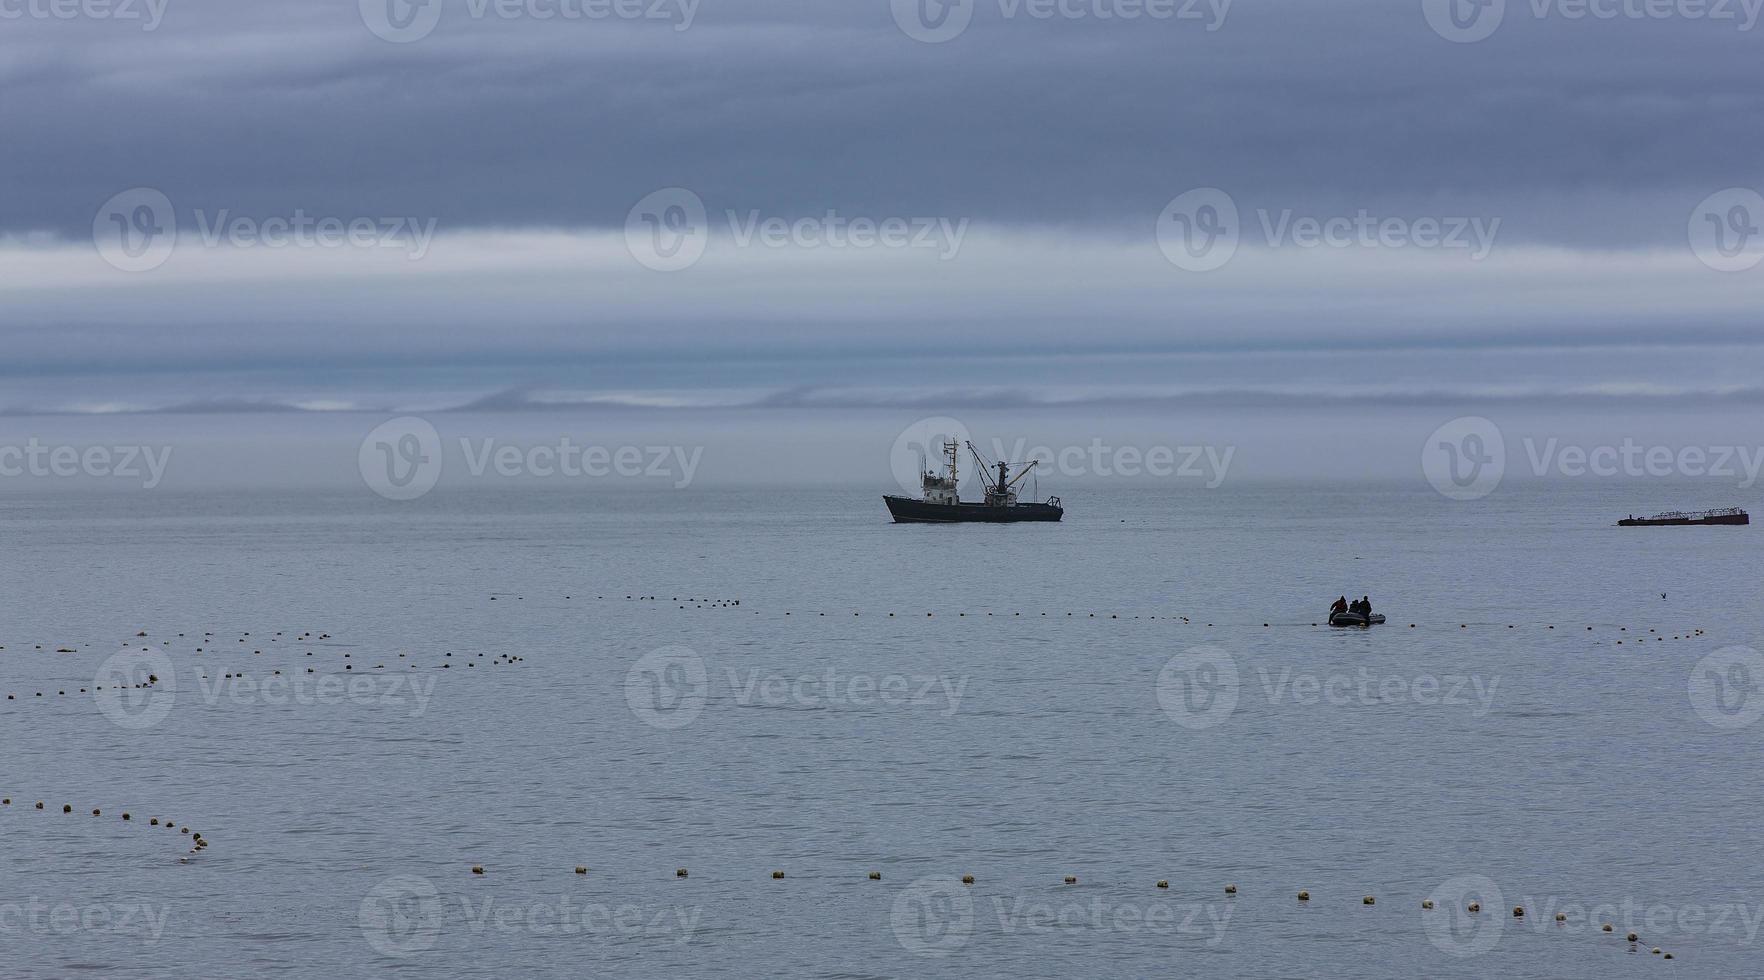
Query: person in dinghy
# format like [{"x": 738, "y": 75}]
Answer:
[{"x": 1356, "y": 613}]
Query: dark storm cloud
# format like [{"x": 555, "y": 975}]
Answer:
[{"x": 1585, "y": 132}]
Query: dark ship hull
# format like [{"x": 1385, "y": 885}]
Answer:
[
  {"x": 909, "y": 511},
  {"x": 1730, "y": 518},
  {"x": 1356, "y": 619}
]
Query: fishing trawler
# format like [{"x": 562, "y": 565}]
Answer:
[
  {"x": 941, "y": 502},
  {"x": 1678, "y": 518}
]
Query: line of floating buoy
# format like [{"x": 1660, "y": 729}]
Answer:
[
  {"x": 1519, "y": 913},
  {"x": 1692, "y": 634},
  {"x": 198, "y": 842}
]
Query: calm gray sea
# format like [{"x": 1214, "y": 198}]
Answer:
[{"x": 1072, "y": 722}]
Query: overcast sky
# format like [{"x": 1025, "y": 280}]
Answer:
[{"x": 1562, "y": 185}]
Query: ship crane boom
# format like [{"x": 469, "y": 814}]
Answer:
[{"x": 1003, "y": 469}]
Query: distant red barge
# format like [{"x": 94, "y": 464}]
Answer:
[{"x": 1729, "y": 515}]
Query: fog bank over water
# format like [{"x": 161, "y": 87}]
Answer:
[
  {"x": 1174, "y": 376},
  {"x": 1083, "y": 450}
]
